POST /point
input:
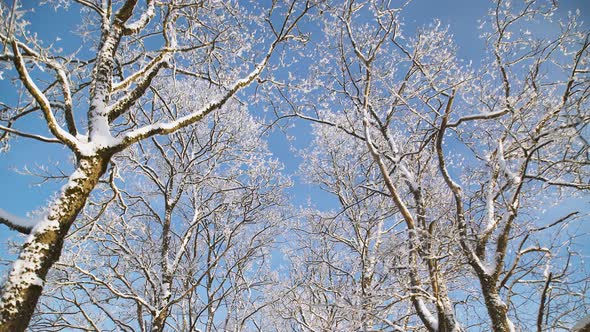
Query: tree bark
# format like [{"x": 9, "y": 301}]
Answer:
[
  {"x": 43, "y": 247},
  {"x": 497, "y": 309},
  {"x": 445, "y": 312},
  {"x": 160, "y": 320}
]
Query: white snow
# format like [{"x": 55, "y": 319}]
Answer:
[
  {"x": 145, "y": 16},
  {"x": 42, "y": 226},
  {"x": 504, "y": 167},
  {"x": 547, "y": 269},
  {"x": 408, "y": 176},
  {"x": 100, "y": 133},
  {"x": 488, "y": 269},
  {"x": 490, "y": 211},
  {"x": 101, "y": 136},
  {"x": 99, "y": 141},
  {"x": 185, "y": 242},
  {"x": 143, "y": 130},
  {"x": 76, "y": 175},
  {"x": 166, "y": 290},
  {"x": 86, "y": 149},
  {"x": 45, "y": 103},
  {"x": 18, "y": 221},
  {"x": 23, "y": 272},
  {"x": 432, "y": 321},
  {"x": 82, "y": 138}
]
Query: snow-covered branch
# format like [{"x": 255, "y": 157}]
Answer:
[
  {"x": 40, "y": 97},
  {"x": 16, "y": 223},
  {"x": 166, "y": 128},
  {"x": 142, "y": 21},
  {"x": 28, "y": 135},
  {"x": 143, "y": 79},
  {"x": 481, "y": 116}
]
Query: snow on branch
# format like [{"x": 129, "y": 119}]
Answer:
[
  {"x": 142, "y": 21},
  {"x": 142, "y": 79},
  {"x": 27, "y": 135},
  {"x": 481, "y": 116},
  {"x": 52, "y": 123},
  {"x": 167, "y": 128},
  {"x": 16, "y": 223},
  {"x": 504, "y": 167},
  {"x": 491, "y": 220},
  {"x": 140, "y": 74},
  {"x": 62, "y": 78},
  {"x": 428, "y": 317}
]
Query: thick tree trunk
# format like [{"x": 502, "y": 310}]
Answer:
[
  {"x": 42, "y": 249},
  {"x": 497, "y": 309}
]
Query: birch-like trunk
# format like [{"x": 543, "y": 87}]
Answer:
[{"x": 43, "y": 247}]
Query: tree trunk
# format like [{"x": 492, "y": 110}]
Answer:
[
  {"x": 42, "y": 249},
  {"x": 497, "y": 309},
  {"x": 446, "y": 313},
  {"x": 160, "y": 321}
]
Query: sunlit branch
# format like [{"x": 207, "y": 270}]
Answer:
[
  {"x": 33, "y": 136},
  {"x": 54, "y": 127}
]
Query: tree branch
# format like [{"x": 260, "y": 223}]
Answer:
[
  {"x": 33, "y": 136},
  {"x": 16, "y": 223},
  {"x": 54, "y": 127}
]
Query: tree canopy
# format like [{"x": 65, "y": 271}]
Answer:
[{"x": 437, "y": 192}]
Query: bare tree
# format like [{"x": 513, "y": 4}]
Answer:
[
  {"x": 530, "y": 142},
  {"x": 361, "y": 71},
  {"x": 441, "y": 218},
  {"x": 345, "y": 270},
  {"x": 187, "y": 246},
  {"x": 206, "y": 41},
  {"x": 499, "y": 140}
]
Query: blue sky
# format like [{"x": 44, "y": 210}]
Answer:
[{"x": 461, "y": 16}]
